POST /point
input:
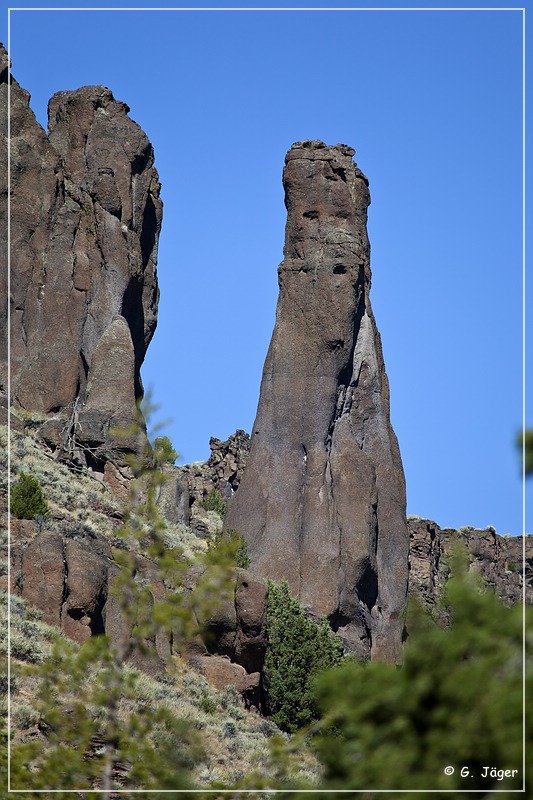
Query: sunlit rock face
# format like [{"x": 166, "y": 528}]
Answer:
[
  {"x": 322, "y": 499},
  {"x": 85, "y": 220}
]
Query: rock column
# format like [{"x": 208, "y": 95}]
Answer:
[
  {"x": 85, "y": 222},
  {"x": 322, "y": 499}
]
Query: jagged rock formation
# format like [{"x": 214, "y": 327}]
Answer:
[
  {"x": 182, "y": 497},
  {"x": 498, "y": 559},
  {"x": 85, "y": 221},
  {"x": 322, "y": 499},
  {"x": 223, "y": 469}
]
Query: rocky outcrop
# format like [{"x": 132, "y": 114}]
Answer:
[
  {"x": 186, "y": 488},
  {"x": 67, "y": 574},
  {"x": 499, "y": 560},
  {"x": 234, "y": 639},
  {"x": 225, "y": 465},
  {"x": 85, "y": 221},
  {"x": 173, "y": 496},
  {"x": 322, "y": 500},
  {"x": 64, "y": 574},
  {"x": 237, "y": 629},
  {"x": 220, "y": 672},
  {"x": 223, "y": 469}
]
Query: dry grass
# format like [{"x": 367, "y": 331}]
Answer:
[{"x": 236, "y": 740}]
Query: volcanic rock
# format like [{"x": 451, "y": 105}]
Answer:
[
  {"x": 220, "y": 672},
  {"x": 226, "y": 463},
  {"x": 221, "y": 472},
  {"x": 499, "y": 560},
  {"x": 85, "y": 221},
  {"x": 231, "y": 649},
  {"x": 173, "y": 496},
  {"x": 64, "y": 574},
  {"x": 322, "y": 499},
  {"x": 43, "y": 575},
  {"x": 236, "y": 628}
]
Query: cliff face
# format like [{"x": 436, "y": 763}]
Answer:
[
  {"x": 319, "y": 487},
  {"x": 85, "y": 221},
  {"x": 322, "y": 500},
  {"x": 499, "y": 560}
]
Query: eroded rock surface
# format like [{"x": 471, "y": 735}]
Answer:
[
  {"x": 85, "y": 221},
  {"x": 322, "y": 500},
  {"x": 64, "y": 574},
  {"x": 234, "y": 639},
  {"x": 498, "y": 559},
  {"x": 180, "y": 500}
]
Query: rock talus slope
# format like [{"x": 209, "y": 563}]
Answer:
[
  {"x": 322, "y": 499},
  {"x": 85, "y": 221}
]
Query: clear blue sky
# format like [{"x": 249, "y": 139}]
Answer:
[{"x": 431, "y": 101}]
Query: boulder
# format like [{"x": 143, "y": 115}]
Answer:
[
  {"x": 220, "y": 672},
  {"x": 43, "y": 575},
  {"x": 251, "y": 596},
  {"x": 64, "y": 574},
  {"x": 86, "y": 590}
]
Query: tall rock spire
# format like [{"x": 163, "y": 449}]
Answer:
[
  {"x": 322, "y": 499},
  {"x": 85, "y": 221}
]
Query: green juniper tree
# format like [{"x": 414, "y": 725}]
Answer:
[
  {"x": 456, "y": 702},
  {"x": 298, "y": 649},
  {"x": 27, "y": 499}
]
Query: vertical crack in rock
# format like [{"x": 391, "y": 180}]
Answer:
[
  {"x": 336, "y": 529},
  {"x": 85, "y": 222}
]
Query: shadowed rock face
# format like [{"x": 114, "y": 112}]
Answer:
[
  {"x": 85, "y": 221},
  {"x": 322, "y": 499}
]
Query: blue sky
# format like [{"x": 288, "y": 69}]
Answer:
[{"x": 431, "y": 101}]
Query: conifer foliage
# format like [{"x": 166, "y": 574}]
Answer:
[
  {"x": 94, "y": 736},
  {"x": 298, "y": 649},
  {"x": 27, "y": 499},
  {"x": 449, "y": 719}
]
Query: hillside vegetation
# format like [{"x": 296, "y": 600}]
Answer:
[{"x": 222, "y": 741}]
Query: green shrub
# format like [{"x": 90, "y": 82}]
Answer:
[
  {"x": 456, "y": 701},
  {"x": 27, "y": 499},
  {"x": 24, "y": 716},
  {"x": 208, "y": 705},
  {"x": 164, "y": 451},
  {"x": 235, "y": 543},
  {"x": 298, "y": 649},
  {"x": 214, "y": 502}
]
